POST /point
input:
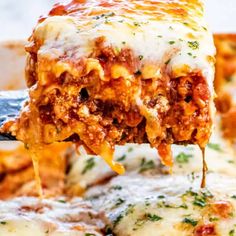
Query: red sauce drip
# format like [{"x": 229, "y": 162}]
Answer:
[{"x": 205, "y": 230}]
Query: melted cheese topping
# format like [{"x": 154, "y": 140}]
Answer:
[
  {"x": 29, "y": 216},
  {"x": 155, "y": 30},
  {"x": 167, "y": 205},
  {"x": 88, "y": 170}
]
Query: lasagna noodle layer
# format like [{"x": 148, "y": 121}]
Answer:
[{"x": 105, "y": 73}]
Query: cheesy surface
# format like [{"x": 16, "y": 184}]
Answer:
[
  {"x": 26, "y": 216},
  {"x": 155, "y": 30}
]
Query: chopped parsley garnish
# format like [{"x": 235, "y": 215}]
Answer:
[
  {"x": 117, "y": 187},
  {"x": 171, "y": 42},
  {"x": 89, "y": 234},
  {"x": 213, "y": 219},
  {"x": 136, "y": 24},
  {"x": 90, "y": 163},
  {"x": 140, "y": 57},
  {"x": 159, "y": 36},
  {"x": 130, "y": 149},
  {"x": 161, "y": 196},
  {"x": 145, "y": 218},
  {"x": 184, "y": 206},
  {"x": 3, "y": 222},
  {"x": 146, "y": 165},
  {"x": 170, "y": 27},
  {"x": 190, "y": 54},
  {"x": 129, "y": 210},
  {"x": 61, "y": 201},
  {"x": 153, "y": 217},
  {"x": 104, "y": 16},
  {"x": 123, "y": 42},
  {"x": 214, "y": 146},
  {"x": 232, "y": 232},
  {"x": 190, "y": 221},
  {"x": 199, "y": 201},
  {"x": 119, "y": 201},
  {"x": 118, "y": 219},
  {"x": 183, "y": 157},
  {"x": 193, "y": 45},
  {"x": 234, "y": 196},
  {"x": 122, "y": 158}
]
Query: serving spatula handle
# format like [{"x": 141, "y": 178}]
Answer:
[{"x": 11, "y": 102}]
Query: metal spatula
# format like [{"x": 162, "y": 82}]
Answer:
[{"x": 11, "y": 103}]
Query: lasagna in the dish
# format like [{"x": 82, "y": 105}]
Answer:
[
  {"x": 17, "y": 176},
  {"x": 158, "y": 205},
  {"x": 112, "y": 72},
  {"x": 27, "y": 216},
  {"x": 225, "y": 82}
]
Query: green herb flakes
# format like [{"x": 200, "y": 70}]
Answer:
[
  {"x": 183, "y": 157},
  {"x": 161, "y": 197},
  {"x": 61, "y": 201},
  {"x": 130, "y": 149},
  {"x": 214, "y": 146},
  {"x": 90, "y": 164},
  {"x": 118, "y": 219},
  {"x": 232, "y": 232},
  {"x": 146, "y": 165},
  {"x": 119, "y": 201},
  {"x": 199, "y": 201},
  {"x": 136, "y": 24},
  {"x": 171, "y": 42},
  {"x": 190, "y": 221},
  {"x": 122, "y": 158},
  {"x": 117, "y": 187},
  {"x": 193, "y": 45},
  {"x": 153, "y": 217}
]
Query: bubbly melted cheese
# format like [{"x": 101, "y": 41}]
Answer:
[
  {"x": 167, "y": 205},
  {"x": 155, "y": 30},
  {"x": 220, "y": 157},
  {"x": 28, "y": 216}
]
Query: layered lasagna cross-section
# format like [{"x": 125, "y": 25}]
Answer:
[{"x": 114, "y": 72}]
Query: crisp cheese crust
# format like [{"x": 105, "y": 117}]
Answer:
[{"x": 112, "y": 72}]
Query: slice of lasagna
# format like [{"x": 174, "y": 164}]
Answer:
[{"x": 115, "y": 72}]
